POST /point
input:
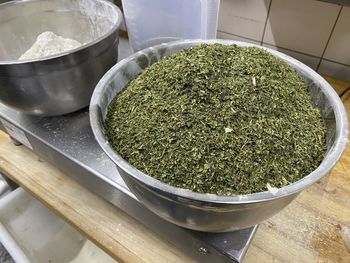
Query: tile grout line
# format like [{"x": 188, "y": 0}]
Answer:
[
  {"x": 251, "y": 39},
  {"x": 329, "y": 38},
  {"x": 267, "y": 18},
  {"x": 336, "y": 62},
  {"x": 279, "y": 47},
  {"x": 295, "y": 51}
]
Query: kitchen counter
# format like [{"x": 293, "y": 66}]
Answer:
[{"x": 308, "y": 230}]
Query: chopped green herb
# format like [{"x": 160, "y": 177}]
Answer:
[{"x": 218, "y": 119}]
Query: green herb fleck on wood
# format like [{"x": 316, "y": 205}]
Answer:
[{"x": 218, "y": 119}]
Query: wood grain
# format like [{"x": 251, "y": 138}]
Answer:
[
  {"x": 308, "y": 230},
  {"x": 114, "y": 231}
]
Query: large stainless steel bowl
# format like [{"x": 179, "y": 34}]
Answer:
[
  {"x": 208, "y": 212},
  {"x": 61, "y": 83}
]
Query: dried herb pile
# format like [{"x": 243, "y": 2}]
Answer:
[{"x": 218, "y": 119}]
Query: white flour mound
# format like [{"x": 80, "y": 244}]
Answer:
[{"x": 48, "y": 43}]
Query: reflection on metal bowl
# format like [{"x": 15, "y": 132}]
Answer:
[
  {"x": 64, "y": 82},
  {"x": 208, "y": 212}
]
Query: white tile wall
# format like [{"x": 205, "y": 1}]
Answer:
[
  {"x": 301, "y": 25},
  {"x": 222, "y": 35},
  {"x": 311, "y": 61},
  {"x": 336, "y": 70},
  {"x": 338, "y": 48},
  {"x": 245, "y": 18},
  {"x": 299, "y": 28}
]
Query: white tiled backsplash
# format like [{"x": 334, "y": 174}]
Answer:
[{"x": 314, "y": 32}]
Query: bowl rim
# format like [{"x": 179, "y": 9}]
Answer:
[
  {"x": 116, "y": 25},
  {"x": 330, "y": 159}
]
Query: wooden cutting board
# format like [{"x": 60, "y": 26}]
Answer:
[{"x": 308, "y": 230}]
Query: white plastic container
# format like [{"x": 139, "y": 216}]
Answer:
[
  {"x": 32, "y": 233},
  {"x": 151, "y": 22}
]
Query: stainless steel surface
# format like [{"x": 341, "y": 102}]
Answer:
[
  {"x": 68, "y": 143},
  {"x": 208, "y": 212},
  {"x": 61, "y": 83}
]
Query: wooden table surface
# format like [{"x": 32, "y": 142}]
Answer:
[{"x": 308, "y": 230}]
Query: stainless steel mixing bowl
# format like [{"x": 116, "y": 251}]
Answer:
[
  {"x": 208, "y": 212},
  {"x": 61, "y": 83}
]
